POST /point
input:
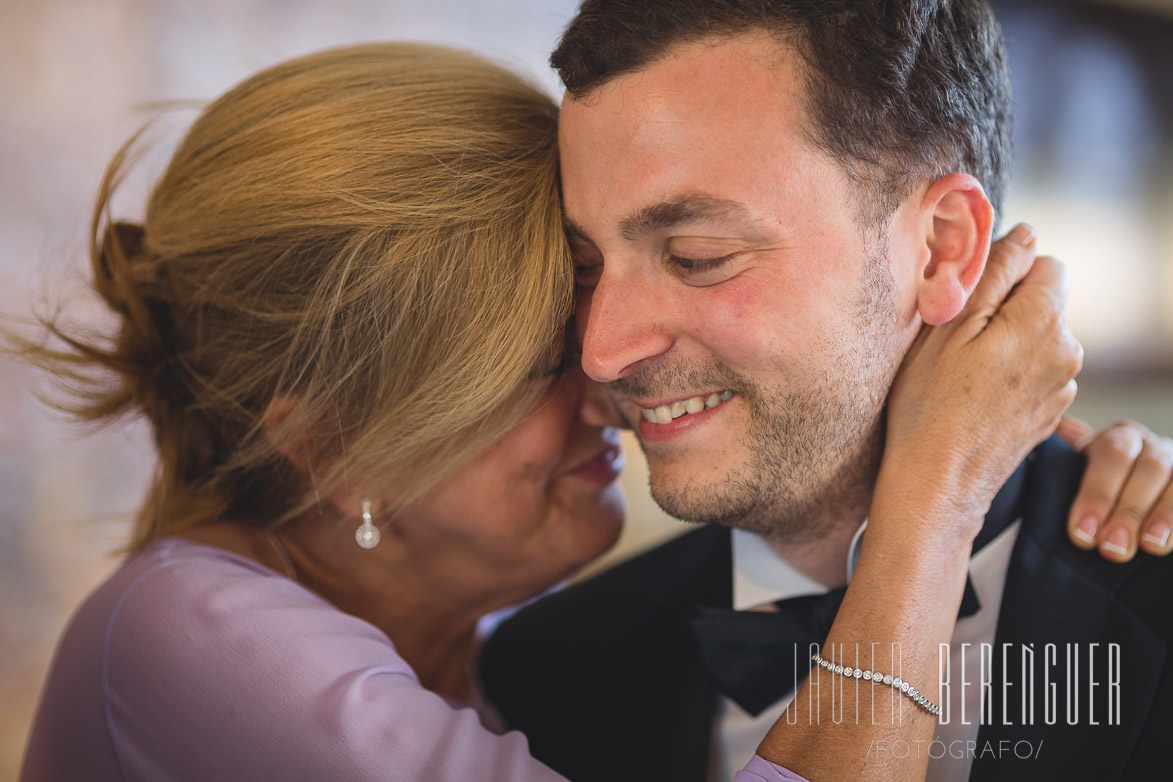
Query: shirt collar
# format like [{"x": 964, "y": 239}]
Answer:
[{"x": 760, "y": 576}]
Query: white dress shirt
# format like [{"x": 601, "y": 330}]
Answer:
[{"x": 761, "y": 577}]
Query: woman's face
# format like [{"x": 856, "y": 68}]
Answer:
[{"x": 537, "y": 504}]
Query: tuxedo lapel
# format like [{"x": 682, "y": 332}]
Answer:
[
  {"x": 664, "y": 708},
  {"x": 674, "y": 697},
  {"x": 606, "y": 679},
  {"x": 1057, "y": 594}
]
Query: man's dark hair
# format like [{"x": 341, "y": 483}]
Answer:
[{"x": 900, "y": 91}]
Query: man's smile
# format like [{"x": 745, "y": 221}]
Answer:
[{"x": 666, "y": 412}]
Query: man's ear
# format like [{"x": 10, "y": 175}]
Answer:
[{"x": 957, "y": 220}]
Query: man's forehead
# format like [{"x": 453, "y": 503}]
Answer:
[
  {"x": 713, "y": 130},
  {"x": 700, "y": 99},
  {"x": 709, "y": 68}
]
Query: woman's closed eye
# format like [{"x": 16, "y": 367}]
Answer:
[
  {"x": 586, "y": 275},
  {"x": 551, "y": 371},
  {"x": 569, "y": 358}
]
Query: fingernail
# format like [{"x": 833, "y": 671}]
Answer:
[
  {"x": 1023, "y": 234},
  {"x": 1116, "y": 542},
  {"x": 1157, "y": 536},
  {"x": 1086, "y": 531}
]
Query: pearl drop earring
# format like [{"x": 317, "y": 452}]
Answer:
[{"x": 367, "y": 534}]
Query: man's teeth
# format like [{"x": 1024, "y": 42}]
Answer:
[{"x": 664, "y": 414}]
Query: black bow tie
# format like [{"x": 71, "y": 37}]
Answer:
[{"x": 757, "y": 657}]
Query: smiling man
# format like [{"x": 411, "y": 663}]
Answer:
[
  {"x": 766, "y": 200},
  {"x": 751, "y": 280}
]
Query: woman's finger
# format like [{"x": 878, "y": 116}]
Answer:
[
  {"x": 1157, "y": 535},
  {"x": 1010, "y": 260},
  {"x": 1075, "y": 433},
  {"x": 1110, "y": 456},
  {"x": 1033, "y": 316},
  {"x": 1150, "y": 474},
  {"x": 1043, "y": 290}
]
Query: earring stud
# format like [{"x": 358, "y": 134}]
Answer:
[{"x": 367, "y": 534}]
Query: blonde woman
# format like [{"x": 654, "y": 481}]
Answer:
[{"x": 342, "y": 315}]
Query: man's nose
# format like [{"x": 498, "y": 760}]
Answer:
[{"x": 622, "y": 323}]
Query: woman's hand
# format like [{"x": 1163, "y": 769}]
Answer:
[
  {"x": 1125, "y": 500},
  {"x": 976, "y": 394}
]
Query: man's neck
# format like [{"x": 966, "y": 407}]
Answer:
[
  {"x": 821, "y": 553},
  {"x": 816, "y": 541},
  {"x": 824, "y": 559}
]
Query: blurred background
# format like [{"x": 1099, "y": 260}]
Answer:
[{"x": 1094, "y": 173}]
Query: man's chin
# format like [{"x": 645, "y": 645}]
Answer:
[
  {"x": 733, "y": 502},
  {"x": 700, "y": 502}
]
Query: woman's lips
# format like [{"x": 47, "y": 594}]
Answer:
[{"x": 603, "y": 468}]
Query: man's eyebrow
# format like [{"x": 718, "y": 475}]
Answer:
[{"x": 679, "y": 210}]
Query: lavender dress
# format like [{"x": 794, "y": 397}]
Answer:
[{"x": 192, "y": 663}]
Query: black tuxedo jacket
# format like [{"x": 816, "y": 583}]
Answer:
[{"x": 606, "y": 680}]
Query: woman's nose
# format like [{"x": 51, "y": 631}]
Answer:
[{"x": 596, "y": 408}]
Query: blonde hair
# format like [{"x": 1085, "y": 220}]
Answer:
[{"x": 372, "y": 234}]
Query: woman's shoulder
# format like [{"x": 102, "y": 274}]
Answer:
[
  {"x": 202, "y": 650},
  {"x": 192, "y": 662},
  {"x": 187, "y": 648},
  {"x": 172, "y": 589},
  {"x": 182, "y": 604},
  {"x": 174, "y": 578},
  {"x": 170, "y": 582},
  {"x": 208, "y": 625}
]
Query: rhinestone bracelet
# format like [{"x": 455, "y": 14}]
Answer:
[{"x": 880, "y": 678}]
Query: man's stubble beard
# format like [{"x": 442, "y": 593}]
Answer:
[{"x": 813, "y": 448}]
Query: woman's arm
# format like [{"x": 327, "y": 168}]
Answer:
[{"x": 1007, "y": 358}]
